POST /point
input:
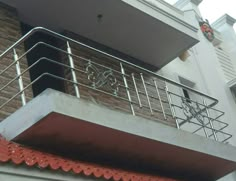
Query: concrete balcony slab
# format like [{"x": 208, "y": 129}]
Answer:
[{"x": 77, "y": 128}]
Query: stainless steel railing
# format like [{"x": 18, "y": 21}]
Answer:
[{"x": 146, "y": 93}]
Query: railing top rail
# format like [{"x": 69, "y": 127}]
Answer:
[{"x": 65, "y": 38}]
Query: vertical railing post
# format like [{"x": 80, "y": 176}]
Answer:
[
  {"x": 211, "y": 123},
  {"x": 136, "y": 90},
  {"x": 146, "y": 92},
  {"x": 20, "y": 81},
  {"x": 171, "y": 106},
  {"x": 72, "y": 68},
  {"x": 127, "y": 88},
  {"x": 159, "y": 97},
  {"x": 204, "y": 127}
]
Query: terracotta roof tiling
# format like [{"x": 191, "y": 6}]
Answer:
[{"x": 18, "y": 154}]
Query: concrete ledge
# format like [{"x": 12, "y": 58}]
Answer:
[
  {"x": 181, "y": 3},
  {"x": 23, "y": 173},
  {"x": 53, "y": 119},
  {"x": 225, "y": 19}
]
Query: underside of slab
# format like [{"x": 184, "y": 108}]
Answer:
[{"x": 151, "y": 33}]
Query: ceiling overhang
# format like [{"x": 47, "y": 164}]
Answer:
[{"x": 153, "y": 32}]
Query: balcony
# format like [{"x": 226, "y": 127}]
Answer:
[
  {"x": 156, "y": 31},
  {"x": 109, "y": 110}
]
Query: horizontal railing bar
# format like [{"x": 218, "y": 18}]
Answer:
[
  {"x": 57, "y": 77},
  {"x": 214, "y": 109},
  {"x": 221, "y": 113},
  {"x": 13, "y": 97},
  {"x": 28, "y": 51},
  {"x": 199, "y": 112},
  {"x": 50, "y": 60},
  {"x": 230, "y": 136},
  {"x": 37, "y": 44},
  {"x": 189, "y": 118},
  {"x": 62, "y": 37},
  {"x": 219, "y": 129},
  {"x": 208, "y": 124},
  {"x": 151, "y": 96},
  {"x": 154, "y": 109},
  {"x": 201, "y": 126},
  {"x": 60, "y": 50},
  {"x": 72, "y": 82},
  {"x": 90, "y": 88},
  {"x": 148, "y": 83},
  {"x": 172, "y": 93},
  {"x": 213, "y": 119},
  {"x": 51, "y": 75},
  {"x": 212, "y": 129},
  {"x": 81, "y": 84},
  {"x": 23, "y": 72},
  {"x": 221, "y": 122},
  {"x": 85, "y": 59},
  {"x": 217, "y": 117},
  {"x": 139, "y": 80},
  {"x": 14, "y": 62},
  {"x": 76, "y": 56},
  {"x": 179, "y": 118},
  {"x": 126, "y": 64},
  {"x": 143, "y": 93},
  {"x": 175, "y": 105},
  {"x": 211, "y": 108},
  {"x": 53, "y": 61}
]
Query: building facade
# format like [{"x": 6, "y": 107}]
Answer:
[
  {"x": 116, "y": 90},
  {"x": 210, "y": 66}
]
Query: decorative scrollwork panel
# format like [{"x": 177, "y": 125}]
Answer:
[
  {"x": 102, "y": 78},
  {"x": 193, "y": 110}
]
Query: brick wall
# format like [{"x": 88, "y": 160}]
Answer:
[
  {"x": 114, "y": 102},
  {"x": 10, "y": 32}
]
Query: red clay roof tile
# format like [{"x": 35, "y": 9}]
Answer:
[{"x": 18, "y": 154}]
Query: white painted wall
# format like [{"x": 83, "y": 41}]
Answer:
[
  {"x": 204, "y": 69},
  {"x": 225, "y": 26}
]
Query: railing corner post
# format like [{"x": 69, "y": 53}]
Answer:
[
  {"x": 171, "y": 107},
  {"x": 19, "y": 75},
  {"x": 72, "y": 68}
]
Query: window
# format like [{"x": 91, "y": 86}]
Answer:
[{"x": 186, "y": 95}]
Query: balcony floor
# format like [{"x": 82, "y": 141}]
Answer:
[{"x": 74, "y": 127}]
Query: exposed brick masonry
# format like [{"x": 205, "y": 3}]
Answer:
[
  {"x": 10, "y": 32},
  {"x": 111, "y": 101}
]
